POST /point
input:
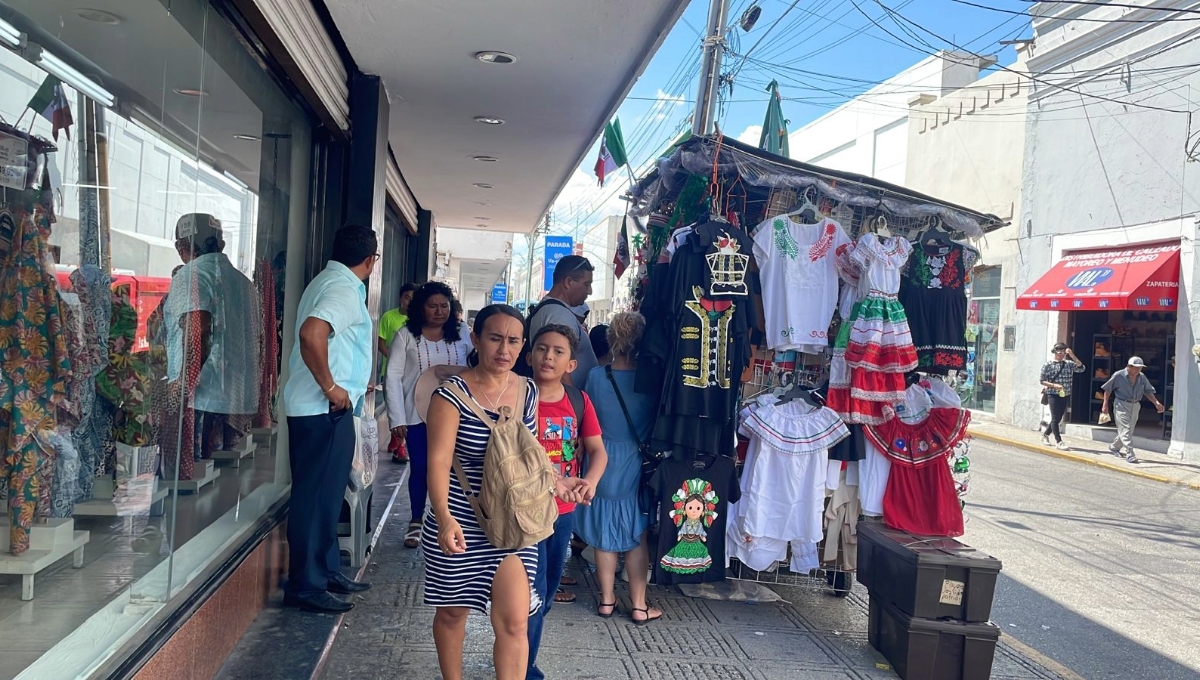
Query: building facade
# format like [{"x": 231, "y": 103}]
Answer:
[
  {"x": 1109, "y": 208},
  {"x": 966, "y": 147}
]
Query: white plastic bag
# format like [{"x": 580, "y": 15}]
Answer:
[{"x": 366, "y": 453}]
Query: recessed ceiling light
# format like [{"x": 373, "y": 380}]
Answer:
[
  {"x": 485, "y": 219},
  {"x": 489, "y": 120},
  {"x": 483, "y": 185},
  {"x": 483, "y": 203},
  {"x": 98, "y": 15},
  {"x": 248, "y": 138},
  {"x": 494, "y": 57},
  {"x": 190, "y": 92},
  {"x": 481, "y": 224},
  {"x": 485, "y": 159}
]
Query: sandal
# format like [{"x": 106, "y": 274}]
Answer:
[
  {"x": 646, "y": 620},
  {"x": 568, "y": 581},
  {"x": 564, "y": 597},
  {"x": 612, "y": 610},
  {"x": 412, "y": 538}
]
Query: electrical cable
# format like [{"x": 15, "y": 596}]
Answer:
[{"x": 1084, "y": 19}]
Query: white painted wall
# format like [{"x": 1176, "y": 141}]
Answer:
[
  {"x": 1100, "y": 173},
  {"x": 869, "y": 134},
  {"x": 966, "y": 147}
]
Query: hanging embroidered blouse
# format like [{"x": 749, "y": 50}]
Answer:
[
  {"x": 921, "y": 496},
  {"x": 799, "y": 281},
  {"x": 783, "y": 482},
  {"x": 933, "y": 291}
]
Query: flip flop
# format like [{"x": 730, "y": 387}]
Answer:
[
  {"x": 648, "y": 619},
  {"x": 412, "y": 538},
  {"x": 564, "y": 597},
  {"x": 602, "y": 605},
  {"x": 568, "y": 581}
]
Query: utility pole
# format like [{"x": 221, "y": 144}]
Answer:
[
  {"x": 545, "y": 229},
  {"x": 710, "y": 67}
]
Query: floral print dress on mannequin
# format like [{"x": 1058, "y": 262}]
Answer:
[{"x": 33, "y": 358}]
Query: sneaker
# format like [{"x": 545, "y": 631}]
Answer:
[
  {"x": 1061, "y": 446},
  {"x": 1045, "y": 440}
]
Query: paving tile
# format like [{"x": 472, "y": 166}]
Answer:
[
  {"x": 690, "y": 669},
  {"x": 768, "y": 646},
  {"x": 694, "y": 641}
]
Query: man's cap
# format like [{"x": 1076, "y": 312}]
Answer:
[
  {"x": 198, "y": 228},
  {"x": 1137, "y": 361}
]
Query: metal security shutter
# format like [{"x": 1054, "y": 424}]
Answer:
[
  {"x": 399, "y": 193},
  {"x": 308, "y": 49}
]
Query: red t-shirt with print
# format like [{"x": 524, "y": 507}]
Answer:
[{"x": 562, "y": 437}]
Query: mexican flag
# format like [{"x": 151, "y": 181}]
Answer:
[
  {"x": 612, "y": 151},
  {"x": 621, "y": 257},
  {"x": 50, "y": 102}
]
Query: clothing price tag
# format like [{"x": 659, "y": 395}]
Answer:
[
  {"x": 14, "y": 153},
  {"x": 952, "y": 592}
]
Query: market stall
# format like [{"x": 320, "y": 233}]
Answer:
[{"x": 805, "y": 328}]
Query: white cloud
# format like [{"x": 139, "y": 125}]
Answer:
[
  {"x": 664, "y": 103},
  {"x": 751, "y": 135},
  {"x": 585, "y": 200}
]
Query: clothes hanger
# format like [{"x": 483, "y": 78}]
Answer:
[{"x": 808, "y": 211}]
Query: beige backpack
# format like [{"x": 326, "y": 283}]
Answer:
[{"x": 515, "y": 504}]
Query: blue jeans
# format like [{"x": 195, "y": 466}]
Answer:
[
  {"x": 552, "y": 562},
  {"x": 418, "y": 468}
]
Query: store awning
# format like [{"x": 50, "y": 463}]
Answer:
[{"x": 1144, "y": 278}]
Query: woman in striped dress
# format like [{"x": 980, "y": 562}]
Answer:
[{"x": 464, "y": 572}]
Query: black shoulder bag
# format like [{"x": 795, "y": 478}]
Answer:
[{"x": 650, "y": 458}]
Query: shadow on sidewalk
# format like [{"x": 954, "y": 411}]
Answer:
[{"x": 1086, "y": 647}]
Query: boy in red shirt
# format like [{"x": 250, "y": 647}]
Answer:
[{"x": 568, "y": 429}]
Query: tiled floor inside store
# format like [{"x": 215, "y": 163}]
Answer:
[{"x": 121, "y": 551}]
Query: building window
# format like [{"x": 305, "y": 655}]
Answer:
[
  {"x": 978, "y": 389},
  {"x": 164, "y": 461}
]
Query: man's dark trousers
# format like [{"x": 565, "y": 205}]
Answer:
[{"x": 322, "y": 449}]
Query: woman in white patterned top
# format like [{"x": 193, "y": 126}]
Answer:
[{"x": 432, "y": 336}]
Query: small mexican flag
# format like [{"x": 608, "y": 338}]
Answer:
[
  {"x": 621, "y": 257},
  {"x": 612, "y": 151},
  {"x": 50, "y": 102}
]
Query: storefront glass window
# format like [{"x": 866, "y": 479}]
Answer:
[
  {"x": 150, "y": 171},
  {"x": 978, "y": 388}
]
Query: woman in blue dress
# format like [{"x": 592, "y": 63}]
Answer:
[{"x": 614, "y": 523}]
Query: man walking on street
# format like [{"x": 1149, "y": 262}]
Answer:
[
  {"x": 1126, "y": 388},
  {"x": 572, "y": 286},
  {"x": 329, "y": 371}
]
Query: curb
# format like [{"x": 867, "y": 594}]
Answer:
[{"x": 1080, "y": 458}]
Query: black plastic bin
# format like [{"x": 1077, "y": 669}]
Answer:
[
  {"x": 923, "y": 649},
  {"x": 928, "y": 578}
]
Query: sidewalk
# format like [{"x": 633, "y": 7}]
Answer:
[
  {"x": 1154, "y": 466},
  {"x": 811, "y": 635}
]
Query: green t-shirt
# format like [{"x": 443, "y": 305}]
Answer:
[{"x": 389, "y": 324}]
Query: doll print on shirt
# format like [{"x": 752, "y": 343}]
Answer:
[
  {"x": 695, "y": 509},
  {"x": 560, "y": 437},
  {"x": 728, "y": 267}
]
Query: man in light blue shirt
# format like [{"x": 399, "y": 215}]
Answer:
[{"x": 328, "y": 373}]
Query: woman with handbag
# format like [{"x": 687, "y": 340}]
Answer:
[
  {"x": 1057, "y": 376},
  {"x": 615, "y": 522}
]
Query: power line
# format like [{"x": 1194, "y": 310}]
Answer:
[
  {"x": 1086, "y": 19},
  {"x": 1094, "y": 3},
  {"x": 893, "y": 13}
]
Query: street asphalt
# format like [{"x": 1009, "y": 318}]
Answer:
[{"x": 1101, "y": 570}]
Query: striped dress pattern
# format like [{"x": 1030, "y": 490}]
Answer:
[{"x": 465, "y": 580}]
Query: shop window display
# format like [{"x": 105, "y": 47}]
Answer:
[
  {"x": 150, "y": 171},
  {"x": 978, "y": 388}
]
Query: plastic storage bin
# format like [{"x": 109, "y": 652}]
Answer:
[
  {"x": 922, "y": 649},
  {"x": 927, "y": 578}
]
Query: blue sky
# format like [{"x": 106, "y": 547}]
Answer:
[{"x": 839, "y": 51}]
